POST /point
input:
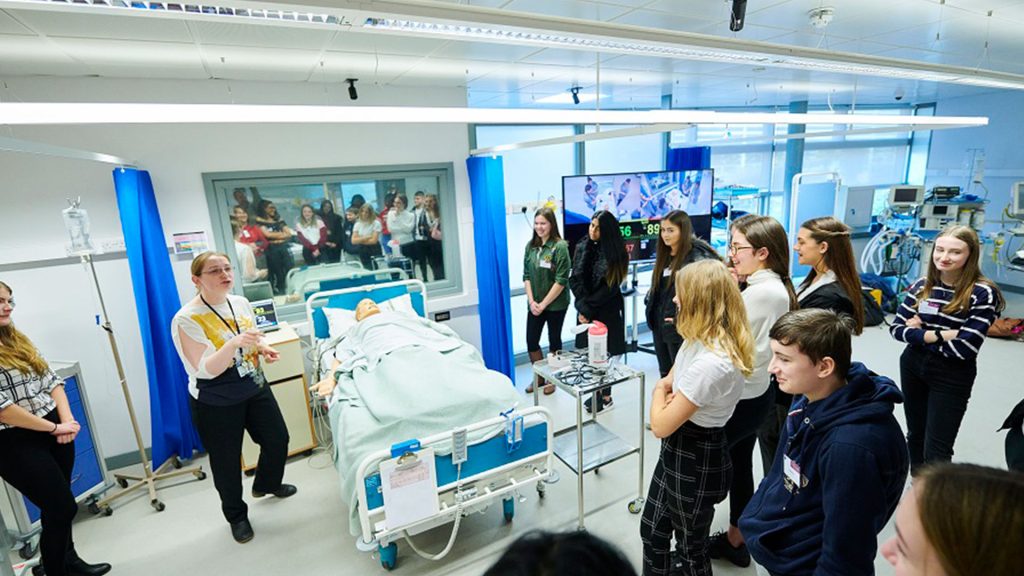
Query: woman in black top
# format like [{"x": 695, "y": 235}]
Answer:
[
  {"x": 833, "y": 284},
  {"x": 37, "y": 451},
  {"x": 334, "y": 232},
  {"x": 677, "y": 247},
  {"x": 279, "y": 256},
  {"x": 598, "y": 268}
]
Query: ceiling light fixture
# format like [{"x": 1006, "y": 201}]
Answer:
[
  {"x": 21, "y": 114},
  {"x": 688, "y": 46}
]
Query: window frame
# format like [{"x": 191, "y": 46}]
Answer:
[{"x": 218, "y": 201}]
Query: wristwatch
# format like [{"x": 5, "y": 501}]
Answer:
[{"x": 938, "y": 334}]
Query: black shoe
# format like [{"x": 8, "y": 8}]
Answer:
[
  {"x": 604, "y": 404},
  {"x": 242, "y": 531},
  {"x": 284, "y": 491},
  {"x": 78, "y": 567},
  {"x": 720, "y": 548}
]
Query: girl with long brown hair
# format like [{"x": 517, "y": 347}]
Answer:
[
  {"x": 545, "y": 275},
  {"x": 37, "y": 451},
  {"x": 677, "y": 247},
  {"x": 833, "y": 283},
  {"x": 689, "y": 411},
  {"x": 943, "y": 319},
  {"x": 759, "y": 253}
]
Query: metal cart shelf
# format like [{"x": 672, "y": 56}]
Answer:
[{"x": 589, "y": 445}]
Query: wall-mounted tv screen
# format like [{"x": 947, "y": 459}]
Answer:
[{"x": 639, "y": 200}]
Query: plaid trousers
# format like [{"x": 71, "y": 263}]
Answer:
[{"x": 693, "y": 474}]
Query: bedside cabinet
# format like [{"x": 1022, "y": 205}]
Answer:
[{"x": 287, "y": 381}]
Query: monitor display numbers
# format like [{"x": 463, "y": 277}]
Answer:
[{"x": 265, "y": 314}]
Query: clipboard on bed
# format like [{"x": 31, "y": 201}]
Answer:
[{"x": 409, "y": 484}]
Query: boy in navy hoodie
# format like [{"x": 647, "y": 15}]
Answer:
[{"x": 842, "y": 460}]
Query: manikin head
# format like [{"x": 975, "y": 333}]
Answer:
[{"x": 365, "y": 309}]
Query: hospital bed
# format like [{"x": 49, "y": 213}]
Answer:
[
  {"x": 498, "y": 465},
  {"x": 307, "y": 280}
]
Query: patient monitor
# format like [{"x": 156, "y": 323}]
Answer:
[
  {"x": 906, "y": 196},
  {"x": 1017, "y": 200}
]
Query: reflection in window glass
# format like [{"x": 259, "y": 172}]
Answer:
[{"x": 295, "y": 239}]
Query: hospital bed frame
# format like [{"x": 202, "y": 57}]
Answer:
[{"x": 490, "y": 472}]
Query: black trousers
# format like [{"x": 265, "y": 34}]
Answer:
[
  {"x": 279, "y": 261},
  {"x": 40, "y": 468},
  {"x": 553, "y": 319},
  {"x": 935, "y": 394},
  {"x": 666, "y": 351},
  {"x": 741, "y": 434},
  {"x": 435, "y": 256},
  {"x": 771, "y": 427},
  {"x": 692, "y": 475},
  {"x": 220, "y": 428},
  {"x": 311, "y": 260}
]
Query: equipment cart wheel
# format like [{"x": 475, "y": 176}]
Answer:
[
  {"x": 122, "y": 482},
  {"x": 508, "y": 506},
  {"x": 200, "y": 475},
  {"x": 176, "y": 462},
  {"x": 157, "y": 505},
  {"x": 636, "y": 506},
  {"x": 95, "y": 508},
  {"x": 28, "y": 550},
  {"x": 541, "y": 489},
  {"x": 388, "y": 556}
]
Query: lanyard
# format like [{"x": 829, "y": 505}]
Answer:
[{"x": 234, "y": 330}]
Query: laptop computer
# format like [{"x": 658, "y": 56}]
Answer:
[{"x": 266, "y": 315}]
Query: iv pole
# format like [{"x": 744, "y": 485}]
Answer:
[{"x": 149, "y": 478}]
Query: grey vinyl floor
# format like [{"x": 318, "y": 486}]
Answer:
[{"x": 308, "y": 534}]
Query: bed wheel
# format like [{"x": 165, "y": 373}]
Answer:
[
  {"x": 508, "y": 506},
  {"x": 388, "y": 556},
  {"x": 540, "y": 490}
]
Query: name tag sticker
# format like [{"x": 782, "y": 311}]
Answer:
[
  {"x": 666, "y": 272},
  {"x": 927, "y": 307},
  {"x": 791, "y": 469},
  {"x": 545, "y": 264}
]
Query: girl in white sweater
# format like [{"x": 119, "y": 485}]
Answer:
[{"x": 759, "y": 252}]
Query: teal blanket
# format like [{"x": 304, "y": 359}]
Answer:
[{"x": 404, "y": 377}]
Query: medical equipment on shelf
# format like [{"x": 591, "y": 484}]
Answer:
[
  {"x": 473, "y": 464},
  {"x": 1006, "y": 240},
  {"x": 906, "y": 196},
  {"x": 1016, "y": 208}
]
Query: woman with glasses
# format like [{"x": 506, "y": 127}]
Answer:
[
  {"x": 222, "y": 352},
  {"x": 599, "y": 266},
  {"x": 37, "y": 451},
  {"x": 677, "y": 247},
  {"x": 759, "y": 252}
]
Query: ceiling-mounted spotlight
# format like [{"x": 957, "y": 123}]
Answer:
[
  {"x": 575, "y": 94},
  {"x": 821, "y": 17},
  {"x": 737, "y": 15},
  {"x": 352, "y": 94}
]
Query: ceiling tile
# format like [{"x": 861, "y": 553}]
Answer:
[
  {"x": 384, "y": 43},
  {"x": 261, "y": 35},
  {"x": 688, "y": 22},
  {"x": 9, "y": 25},
  {"x": 105, "y": 26},
  {"x": 131, "y": 58},
  {"x": 568, "y": 9},
  {"x": 483, "y": 51}
]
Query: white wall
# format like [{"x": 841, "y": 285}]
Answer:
[
  {"x": 56, "y": 303},
  {"x": 1004, "y": 158}
]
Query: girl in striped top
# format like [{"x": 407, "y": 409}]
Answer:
[{"x": 943, "y": 319}]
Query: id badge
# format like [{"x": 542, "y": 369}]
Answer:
[
  {"x": 791, "y": 469},
  {"x": 666, "y": 272},
  {"x": 545, "y": 264},
  {"x": 244, "y": 366},
  {"x": 927, "y": 307}
]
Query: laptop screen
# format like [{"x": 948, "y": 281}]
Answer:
[{"x": 266, "y": 315}]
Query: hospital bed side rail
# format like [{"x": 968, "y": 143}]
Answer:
[{"x": 535, "y": 415}]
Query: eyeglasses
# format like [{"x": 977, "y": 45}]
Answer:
[
  {"x": 733, "y": 248},
  {"x": 218, "y": 271}
]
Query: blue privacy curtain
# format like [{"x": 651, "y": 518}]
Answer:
[
  {"x": 487, "y": 187},
  {"x": 156, "y": 299},
  {"x": 694, "y": 158}
]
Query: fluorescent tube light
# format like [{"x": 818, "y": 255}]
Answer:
[{"x": 19, "y": 113}]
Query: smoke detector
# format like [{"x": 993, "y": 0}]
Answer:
[{"x": 821, "y": 17}]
